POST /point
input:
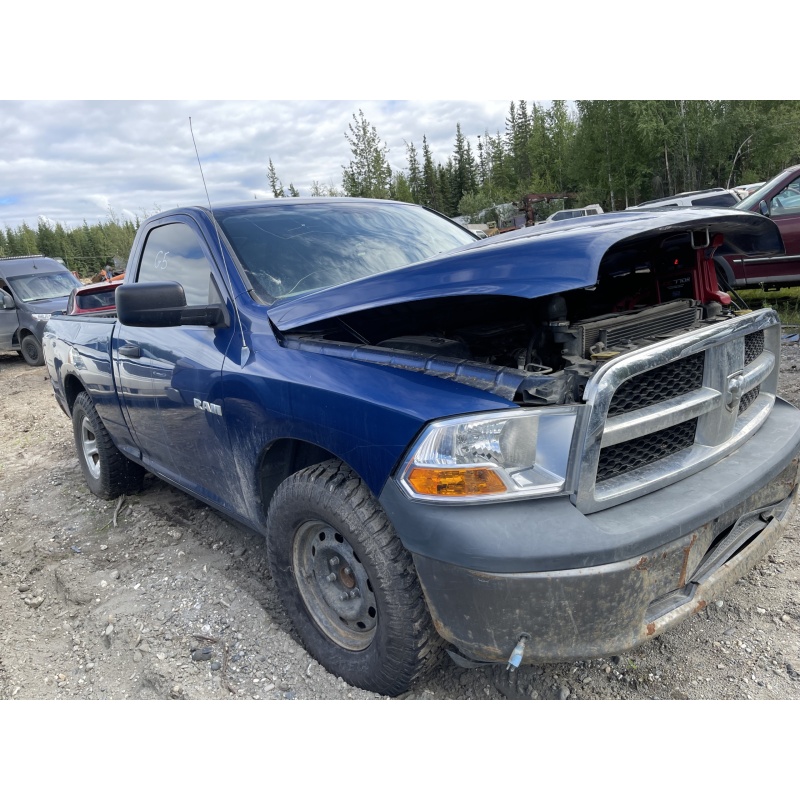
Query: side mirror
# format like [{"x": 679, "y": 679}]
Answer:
[
  {"x": 162, "y": 304},
  {"x": 763, "y": 208},
  {"x": 8, "y": 300}
]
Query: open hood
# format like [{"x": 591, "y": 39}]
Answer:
[{"x": 529, "y": 263}]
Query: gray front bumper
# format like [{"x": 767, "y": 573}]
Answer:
[{"x": 584, "y": 586}]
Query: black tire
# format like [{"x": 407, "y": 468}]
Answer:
[
  {"x": 31, "y": 350},
  {"x": 322, "y": 522},
  {"x": 108, "y": 473}
]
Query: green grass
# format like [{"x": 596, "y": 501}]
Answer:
[{"x": 785, "y": 301}]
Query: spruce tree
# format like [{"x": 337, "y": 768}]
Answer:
[
  {"x": 368, "y": 174},
  {"x": 274, "y": 181}
]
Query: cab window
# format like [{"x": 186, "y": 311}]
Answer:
[
  {"x": 173, "y": 253},
  {"x": 787, "y": 201}
]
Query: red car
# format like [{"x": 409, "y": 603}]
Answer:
[
  {"x": 778, "y": 199},
  {"x": 94, "y": 298}
]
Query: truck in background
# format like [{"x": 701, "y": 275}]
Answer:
[
  {"x": 32, "y": 288},
  {"x": 778, "y": 199}
]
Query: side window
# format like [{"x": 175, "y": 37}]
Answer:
[
  {"x": 787, "y": 201},
  {"x": 173, "y": 253}
]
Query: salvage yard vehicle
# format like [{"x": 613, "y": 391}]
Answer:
[
  {"x": 541, "y": 447},
  {"x": 31, "y": 289},
  {"x": 94, "y": 298},
  {"x": 778, "y": 199},
  {"x": 718, "y": 198}
]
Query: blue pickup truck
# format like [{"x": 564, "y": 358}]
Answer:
[{"x": 548, "y": 445}]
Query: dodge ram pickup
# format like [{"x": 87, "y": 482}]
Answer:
[{"x": 549, "y": 445}]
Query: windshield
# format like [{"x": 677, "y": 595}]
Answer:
[
  {"x": 752, "y": 200},
  {"x": 291, "y": 249},
  {"x": 46, "y": 286}
]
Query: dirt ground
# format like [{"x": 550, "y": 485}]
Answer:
[{"x": 160, "y": 597}]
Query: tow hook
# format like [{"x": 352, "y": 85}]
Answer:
[{"x": 516, "y": 654}]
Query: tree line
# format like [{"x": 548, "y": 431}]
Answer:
[
  {"x": 612, "y": 152},
  {"x": 85, "y": 249}
]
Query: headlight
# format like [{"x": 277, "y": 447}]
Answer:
[
  {"x": 493, "y": 456},
  {"x": 41, "y": 317}
]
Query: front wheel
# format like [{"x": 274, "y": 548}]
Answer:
[
  {"x": 31, "y": 350},
  {"x": 108, "y": 473},
  {"x": 346, "y": 581}
]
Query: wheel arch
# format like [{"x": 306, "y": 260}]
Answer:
[
  {"x": 282, "y": 458},
  {"x": 725, "y": 269},
  {"x": 72, "y": 388}
]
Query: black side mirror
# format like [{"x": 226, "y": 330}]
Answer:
[
  {"x": 8, "y": 300},
  {"x": 763, "y": 208},
  {"x": 163, "y": 305}
]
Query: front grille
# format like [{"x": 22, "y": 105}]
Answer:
[
  {"x": 661, "y": 413},
  {"x": 662, "y": 383},
  {"x": 622, "y": 458},
  {"x": 753, "y": 346},
  {"x": 747, "y": 400}
]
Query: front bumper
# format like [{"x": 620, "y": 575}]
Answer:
[{"x": 582, "y": 586}]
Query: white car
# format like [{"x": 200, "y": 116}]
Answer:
[
  {"x": 720, "y": 198},
  {"x": 572, "y": 213},
  {"x": 747, "y": 189}
]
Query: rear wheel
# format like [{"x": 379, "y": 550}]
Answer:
[
  {"x": 31, "y": 350},
  {"x": 108, "y": 473},
  {"x": 346, "y": 581}
]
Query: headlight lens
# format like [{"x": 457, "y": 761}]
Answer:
[
  {"x": 41, "y": 317},
  {"x": 492, "y": 456}
]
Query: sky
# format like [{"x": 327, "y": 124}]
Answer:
[
  {"x": 71, "y": 160},
  {"x": 90, "y": 124}
]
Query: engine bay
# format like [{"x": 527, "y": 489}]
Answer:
[{"x": 545, "y": 348}]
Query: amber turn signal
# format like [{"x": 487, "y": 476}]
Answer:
[{"x": 455, "y": 482}]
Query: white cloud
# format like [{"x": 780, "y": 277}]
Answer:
[{"x": 72, "y": 160}]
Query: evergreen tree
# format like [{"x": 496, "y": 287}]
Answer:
[
  {"x": 430, "y": 188},
  {"x": 462, "y": 175},
  {"x": 275, "y": 184},
  {"x": 368, "y": 174},
  {"x": 415, "y": 183},
  {"x": 401, "y": 189}
]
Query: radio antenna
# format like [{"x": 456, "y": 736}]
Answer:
[{"x": 219, "y": 243}]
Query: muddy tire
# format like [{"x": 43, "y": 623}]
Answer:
[
  {"x": 31, "y": 351},
  {"x": 347, "y": 583},
  {"x": 108, "y": 473}
]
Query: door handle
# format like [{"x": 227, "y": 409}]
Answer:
[{"x": 130, "y": 351}]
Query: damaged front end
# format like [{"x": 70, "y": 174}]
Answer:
[{"x": 648, "y": 459}]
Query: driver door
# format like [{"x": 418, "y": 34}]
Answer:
[{"x": 170, "y": 378}]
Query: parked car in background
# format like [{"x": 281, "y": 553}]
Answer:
[
  {"x": 746, "y": 189},
  {"x": 94, "y": 298},
  {"x": 31, "y": 289},
  {"x": 778, "y": 199},
  {"x": 719, "y": 198},
  {"x": 574, "y": 213}
]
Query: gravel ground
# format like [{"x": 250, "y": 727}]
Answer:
[{"x": 160, "y": 597}]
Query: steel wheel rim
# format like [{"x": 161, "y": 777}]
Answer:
[
  {"x": 91, "y": 455},
  {"x": 334, "y": 586}
]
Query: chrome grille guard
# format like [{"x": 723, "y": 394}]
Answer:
[{"x": 721, "y": 428}]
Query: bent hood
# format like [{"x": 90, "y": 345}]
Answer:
[{"x": 529, "y": 263}]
